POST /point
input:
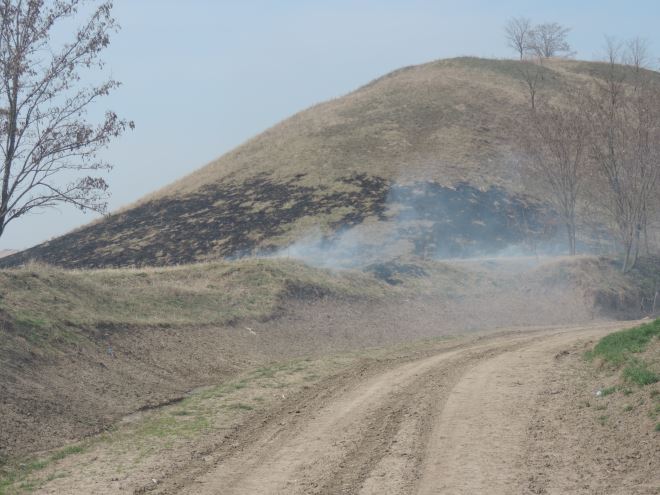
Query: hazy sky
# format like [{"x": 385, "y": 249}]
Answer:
[{"x": 201, "y": 76}]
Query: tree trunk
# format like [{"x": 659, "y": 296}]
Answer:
[
  {"x": 570, "y": 232},
  {"x": 628, "y": 247}
]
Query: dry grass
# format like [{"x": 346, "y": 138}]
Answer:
[
  {"x": 41, "y": 301},
  {"x": 449, "y": 120},
  {"x": 40, "y": 298}
]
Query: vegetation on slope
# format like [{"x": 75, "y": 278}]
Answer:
[
  {"x": 40, "y": 302},
  {"x": 614, "y": 294},
  {"x": 629, "y": 362},
  {"x": 39, "y": 299},
  {"x": 617, "y": 347},
  {"x": 623, "y": 350},
  {"x": 333, "y": 166}
]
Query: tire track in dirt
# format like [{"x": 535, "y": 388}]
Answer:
[
  {"x": 477, "y": 444},
  {"x": 451, "y": 422},
  {"x": 387, "y": 458},
  {"x": 334, "y": 449}
]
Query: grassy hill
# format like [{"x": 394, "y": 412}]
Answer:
[{"x": 442, "y": 131}]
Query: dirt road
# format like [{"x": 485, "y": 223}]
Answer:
[{"x": 455, "y": 422}]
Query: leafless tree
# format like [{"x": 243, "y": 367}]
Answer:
[
  {"x": 531, "y": 72},
  {"x": 549, "y": 40},
  {"x": 557, "y": 144},
  {"x": 637, "y": 53},
  {"x": 624, "y": 119},
  {"x": 518, "y": 31},
  {"x": 49, "y": 148}
]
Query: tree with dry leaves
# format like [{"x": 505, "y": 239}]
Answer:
[{"x": 49, "y": 147}]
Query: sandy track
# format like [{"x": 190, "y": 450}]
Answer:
[{"x": 454, "y": 423}]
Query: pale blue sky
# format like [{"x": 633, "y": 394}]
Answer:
[{"x": 201, "y": 76}]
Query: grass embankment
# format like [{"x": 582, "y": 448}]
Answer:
[
  {"x": 633, "y": 354},
  {"x": 44, "y": 303},
  {"x": 618, "y": 349},
  {"x": 41, "y": 302}
]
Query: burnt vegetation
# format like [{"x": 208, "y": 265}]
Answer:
[{"x": 233, "y": 220}]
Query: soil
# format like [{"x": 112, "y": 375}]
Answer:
[
  {"x": 473, "y": 416},
  {"x": 129, "y": 369}
]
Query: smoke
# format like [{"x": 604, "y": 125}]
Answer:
[{"x": 430, "y": 221}]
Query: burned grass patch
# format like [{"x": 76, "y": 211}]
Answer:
[
  {"x": 222, "y": 220},
  {"x": 261, "y": 215}
]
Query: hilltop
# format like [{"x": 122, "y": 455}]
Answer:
[{"x": 426, "y": 154}]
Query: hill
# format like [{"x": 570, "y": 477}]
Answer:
[{"x": 423, "y": 158}]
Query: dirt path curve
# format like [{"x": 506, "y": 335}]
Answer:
[
  {"x": 476, "y": 446},
  {"x": 451, "y": 423}
]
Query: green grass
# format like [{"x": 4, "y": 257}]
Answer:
[
  {"x": 638, "y": 372},
  {"x": 617, "y": 347},
  {"x": 632, "y": 353},
  {"x": 13, "y": 476},
  {"x": 174, "y": 426},
  {"x": 607, "y": 391},
  {"x": 657, "y": 427},
  {"x": 67, "y": 451},
  {"x": 621, "y": 351}
]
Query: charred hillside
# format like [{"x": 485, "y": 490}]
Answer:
[
  {"x": 252, "y": 218},
  {"x": 424, "y": 156}
]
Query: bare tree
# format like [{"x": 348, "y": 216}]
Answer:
[
  {"x": 549, "y": 40},
  {"x": 637, "y": 53},
  {"x": 624, "y": 119},
  {"x": 556, "y": 144},
  {"x": 531, "y": 72},
  {"x": 518, "y": 31},
  {"x": 49, "y": 149}
]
